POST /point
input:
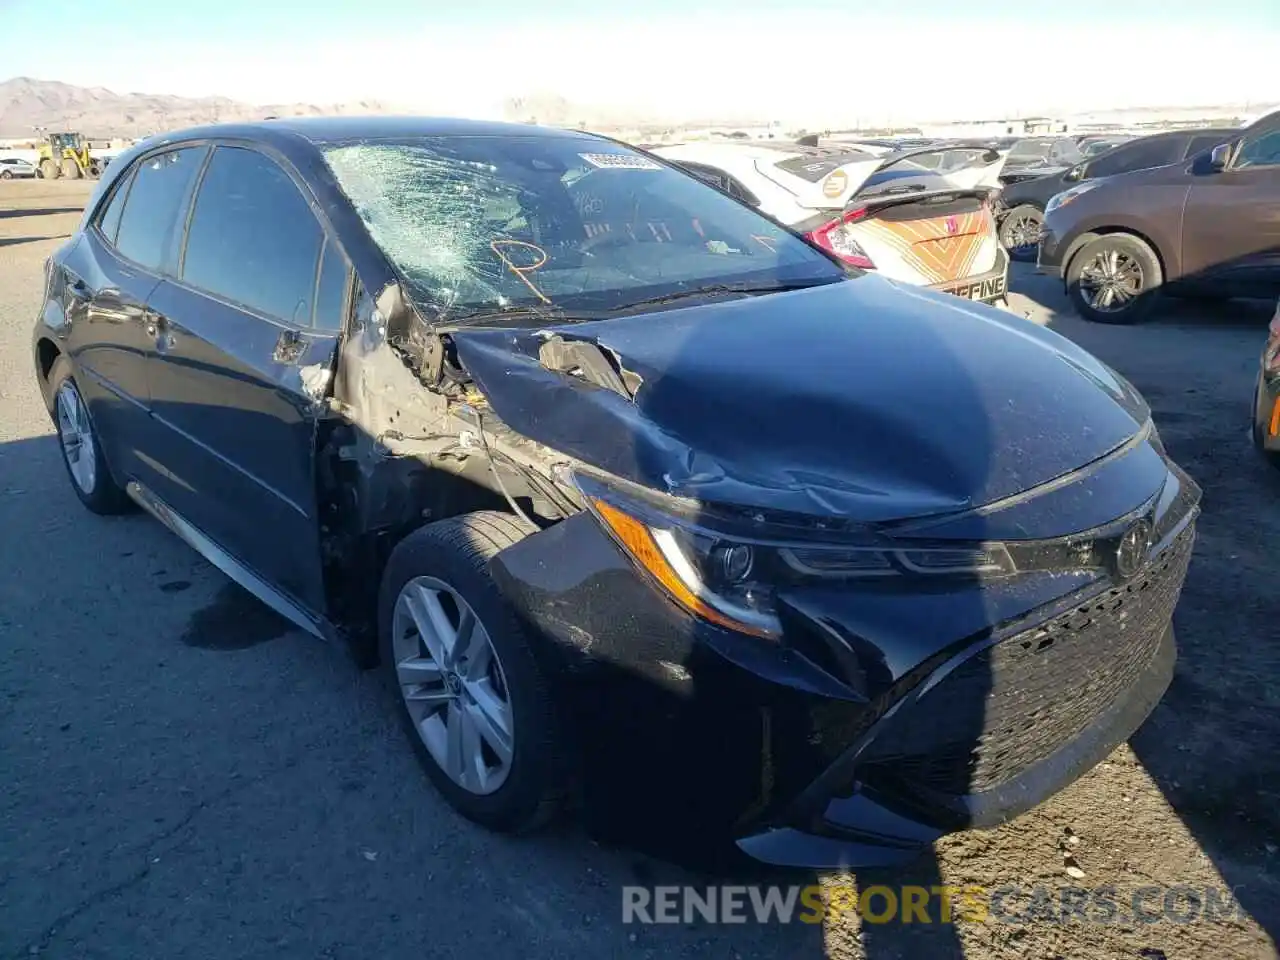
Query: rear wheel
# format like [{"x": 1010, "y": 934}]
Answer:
[
  {"x": 70, "y": 169},
  {"x": 1020, "y": 232},
  {"x": 49, "y": 170},
  {"x": 473, "y": 698},
  {"x": 5, "y": 175},
  {"x": 1114, "y": 279},
  {"x": 81, "y": 451}
]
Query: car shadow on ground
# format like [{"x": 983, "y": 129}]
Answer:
[
  {"x": 16, "y": 212},
  {"x": 14, "y": 241},
  {"x": 1210, "y": 745}
]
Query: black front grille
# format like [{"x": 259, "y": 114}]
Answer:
[{"x": 1019, "y": 700}]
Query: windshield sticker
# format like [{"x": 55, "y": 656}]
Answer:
[
  {"x": 531, "y": 251},
  {"x": 835, "y": 184},
  {"x": 620, "y": 161}
]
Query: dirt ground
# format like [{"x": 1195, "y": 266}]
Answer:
[{"x": 184, "y": 777}]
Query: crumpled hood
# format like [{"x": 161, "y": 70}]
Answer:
[{"x": 862, "y": 399}]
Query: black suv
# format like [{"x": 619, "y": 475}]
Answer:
[{"x": 634, "y": 495}]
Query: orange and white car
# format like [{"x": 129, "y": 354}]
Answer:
[{"x": 921, "y": 216}]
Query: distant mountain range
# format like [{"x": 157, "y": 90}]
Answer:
[{"x": 101, "y": 113}]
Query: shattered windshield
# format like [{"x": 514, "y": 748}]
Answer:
[{"x": 482, "y": 224}]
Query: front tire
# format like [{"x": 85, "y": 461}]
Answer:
[
  {"x": 1114, "y": 279},
  {"x": 472, "y": 696},
  {"x": 82, "y": 455},
  {"x": 1020, "y": 232},
  {"x": 70, "y": 169}
]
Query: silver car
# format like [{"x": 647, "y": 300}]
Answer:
[{"x": 12, "y": 168}]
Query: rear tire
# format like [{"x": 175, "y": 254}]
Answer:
[
  {"x": 82, "y": 455},
  {"x": 49, "y": 170},
  {"x": 1115, "y": 278},
  {"x": 5, "y": 175},
  {"x": 450, "y": 560},
  {"x": 70, "y": 169},
  {"x": 1020, "y": 232}
]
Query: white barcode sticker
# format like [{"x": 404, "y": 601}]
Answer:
[{"x": 620, "y": 161}]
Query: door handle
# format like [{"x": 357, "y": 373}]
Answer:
[
  {"x": 158, "y": 327},
  {"x": 288, "y": 347}
]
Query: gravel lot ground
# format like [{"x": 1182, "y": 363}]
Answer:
[{"x": 183, "y": 776}]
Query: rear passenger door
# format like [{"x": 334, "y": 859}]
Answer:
[
  {"x": 246, "y": 334},
  {"x": 109, "y": 276}
]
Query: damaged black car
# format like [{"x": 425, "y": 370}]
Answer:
[{"x": 639, "y": 500}]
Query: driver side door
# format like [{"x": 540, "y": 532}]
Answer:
[{"x": 1231, "y": 227}]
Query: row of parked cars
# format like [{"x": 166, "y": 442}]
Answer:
[{"x": 949, "y": 215}]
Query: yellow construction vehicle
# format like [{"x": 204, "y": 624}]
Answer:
[{"x": 66, "y": 155}]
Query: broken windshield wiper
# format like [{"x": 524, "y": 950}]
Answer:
[{"x": 717, "y": 289}]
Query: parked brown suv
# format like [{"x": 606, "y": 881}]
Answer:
[{"x": 1207, "y": 227}]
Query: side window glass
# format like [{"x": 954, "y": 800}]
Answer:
[
  {"x": 1200, "y": 144},
  {"x": 253, "y": 238},
  {"x": 160, "y": 185},
  {"x": 331, "y": 291},
  {"x": 1261, "y": 151},
  {"x": 109, "y": 219},
  {"x": 1137, "y": 156}
]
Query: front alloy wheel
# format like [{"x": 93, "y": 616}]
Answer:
[
  {"x": 1111, "y": 280},
  {"x": 453, "y": 686},
  {"x": 1021, "y": 232},
  {"x": 473, "y": 696},
  {"x": 1114, "y": 279}
]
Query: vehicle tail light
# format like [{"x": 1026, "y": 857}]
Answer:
[{"x": 837, "y": 237}]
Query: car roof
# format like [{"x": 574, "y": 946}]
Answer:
[
  {"x": 327, "y": 130},
  {"x": 1187, "y": 132}
]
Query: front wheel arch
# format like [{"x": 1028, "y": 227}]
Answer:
[
  {"x": 1085, "y": 239},
  {"x": 1135, "y": 306}
]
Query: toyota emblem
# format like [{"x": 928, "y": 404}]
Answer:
[{"x": 1131, "y": 552}]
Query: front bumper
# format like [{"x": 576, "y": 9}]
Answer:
[
  {"x": 1057, "y": 247},
  {"x": 826, "y": 749}
]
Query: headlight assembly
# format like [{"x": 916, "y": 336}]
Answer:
[
  {"x": 733, "y": 580},
  {"x": 1068, "y": 196}
]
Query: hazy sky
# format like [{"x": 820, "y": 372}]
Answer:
[{"x": 918, "y": 58}]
